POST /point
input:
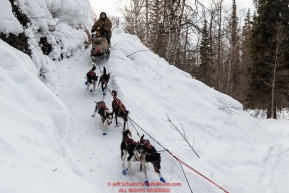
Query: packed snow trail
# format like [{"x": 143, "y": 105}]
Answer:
[
  {"x": 276, "y": 168},
  {"x": 99, "y": 154},
  {"x": 85, "y": 137},
  {"x": 231, "y": 144}
]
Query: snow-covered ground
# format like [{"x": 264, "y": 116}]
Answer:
[
  {"x": 276, "y": 167},
  {"x": 236, "y": 151}
]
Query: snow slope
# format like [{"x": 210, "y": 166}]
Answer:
[
  {"x": 234, "y": 149},
  {"x": 33, "y": 122}
]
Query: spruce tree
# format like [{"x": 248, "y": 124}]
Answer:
[
  {"x": 266, "y": 52},
  {"x": 205, "y": 68}
]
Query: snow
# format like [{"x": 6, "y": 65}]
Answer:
[
  {"x": 276, "y": 175},
  {"x": 33, "y": 122},
  {"x": 235, "y": 149},
  {"x": 8, "y": 22}
]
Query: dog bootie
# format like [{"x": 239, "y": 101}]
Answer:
[
  {"x": 147, "y": 183},
  {"x": 124, "y": 172},
  {"x": 103, "y": 93},
  {"x": 104, "y": 134},
  {"x": 90, "y": 90},
  {"x": 86, "y": 83},
  {"x": 93, "y": 115},
  {"x": 162, "y": 180}
]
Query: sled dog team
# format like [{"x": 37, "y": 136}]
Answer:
[{"x": 141, "y": 151}]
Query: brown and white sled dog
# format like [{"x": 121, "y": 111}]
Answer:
[{"x": 105, "y": 115}]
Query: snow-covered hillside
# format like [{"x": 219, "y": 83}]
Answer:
[
  {"x": 235, "y": 150},
  {"x": 33, "y": 121}
]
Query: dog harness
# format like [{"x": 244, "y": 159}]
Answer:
[
  {"x": 118, "y": 102},
  {"x": 91, "y": 73},
  {"x": 146, "y": 143},
  {"x": 129, "y": 141},
  {"x": 101, "y": 105}
]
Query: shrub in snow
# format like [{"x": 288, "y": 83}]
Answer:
[
  {"x": 20, "y": 42},
  {"x": 45, "y": 46}
]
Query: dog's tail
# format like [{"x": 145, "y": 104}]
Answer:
[
  {"x": 126, "y": 132},
  {"x": 114, "y": 93},
  {"x": 93, "y": 64}
]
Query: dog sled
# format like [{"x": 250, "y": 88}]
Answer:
[{"x": 100, "y": 49}]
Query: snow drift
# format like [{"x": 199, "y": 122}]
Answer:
[{"x": 33, "y": 121}]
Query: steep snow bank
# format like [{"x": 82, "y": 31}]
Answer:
[{"x": 33, "y": 120}]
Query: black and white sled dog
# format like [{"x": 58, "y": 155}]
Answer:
[
  {"x": 104, "y": 79},
  {"x": 91, "y": 78},
  {"x": 152, "y": 156},
  {"x": 104, "y": 113},
  {"x": 137, "y": 152}
]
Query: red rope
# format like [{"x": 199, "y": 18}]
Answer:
[
  {"x": 198, "y": 172},
  {"x": 181, "y": 160}
]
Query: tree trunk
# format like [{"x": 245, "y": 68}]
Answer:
[
  {"x": 178, "y": 34},
  {"x": 147, "y": 23},
  {"x": 220, "y": 68}
]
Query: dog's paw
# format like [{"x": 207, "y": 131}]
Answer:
[
  {"x": 93, "y": 115},
  {"x": 90, "y": 90},
  {"x": 86, "y": 83}
]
